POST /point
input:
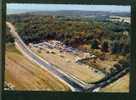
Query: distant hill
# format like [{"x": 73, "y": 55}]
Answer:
[{"x": 79, "y": 13}]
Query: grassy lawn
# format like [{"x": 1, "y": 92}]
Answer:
[{"x": 25, "y": 75}]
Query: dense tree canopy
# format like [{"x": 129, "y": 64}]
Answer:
[{"x": 74, "y": 32}]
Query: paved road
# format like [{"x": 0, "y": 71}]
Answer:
[
  {"x": 108, "y": 80},
  {"x": 74, "y": 84}
]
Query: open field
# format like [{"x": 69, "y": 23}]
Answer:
[
  {"x": 67, "y": 63},
  {"x": 121, "y": 85},
  {"x": 25, "y": 75}
]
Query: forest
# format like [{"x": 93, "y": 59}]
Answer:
[{"x": 83, "y": 33}]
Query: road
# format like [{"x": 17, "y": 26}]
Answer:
[
  {"x": 74, "y": 84},
  {"x": 109, "y": 80}
]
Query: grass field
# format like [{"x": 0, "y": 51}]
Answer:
[
  {"x": 66, "y": 62},
  {"x": 25, "y": 75},
  {"x": 121, "y": 85}
]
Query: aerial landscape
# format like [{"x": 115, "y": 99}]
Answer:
[{"x": 69, "y": 48}]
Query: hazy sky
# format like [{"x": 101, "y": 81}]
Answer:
[{"x": 12, "y": 8}]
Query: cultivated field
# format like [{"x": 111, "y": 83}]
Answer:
[{"x": 25, "y": 75}]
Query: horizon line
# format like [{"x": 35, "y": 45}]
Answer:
[{"x": 66, "y": 7}]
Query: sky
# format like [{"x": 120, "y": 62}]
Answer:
[{"x": 19, "y": 8}]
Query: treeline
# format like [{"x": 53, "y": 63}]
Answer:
[{"x": 104, "y": 35}]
